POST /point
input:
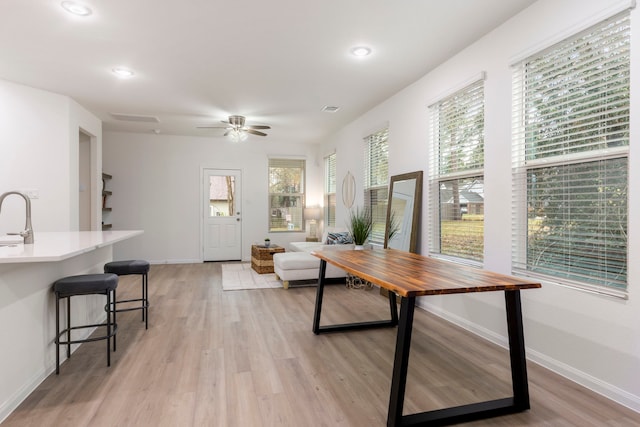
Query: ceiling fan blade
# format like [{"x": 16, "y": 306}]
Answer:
[
  {"x": 227, "y": 132},
  {"x": 213, "y": 127},
  {"x": 258, "y": 127},
  {"x": 255, "y": 132}
]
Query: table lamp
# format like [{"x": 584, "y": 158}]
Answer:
[{"x": 312, "y": 214}]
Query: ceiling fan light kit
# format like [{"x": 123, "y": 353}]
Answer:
[
  {"x": 237, "y": 130},
  {"x": 237, "y": 135}
]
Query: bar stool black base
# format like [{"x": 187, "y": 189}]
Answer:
[
  {"x": 87, "y": 284},
  {"x": 124, "y": 268}
]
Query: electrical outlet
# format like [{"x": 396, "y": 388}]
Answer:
[{"x": 32, "y": 193}]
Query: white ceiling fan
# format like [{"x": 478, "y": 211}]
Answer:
[{"x": 237, "y": 129}]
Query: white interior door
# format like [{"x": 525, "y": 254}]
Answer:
[{"x": 222, "y": 225}]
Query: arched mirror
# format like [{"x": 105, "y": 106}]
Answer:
[{"x": 403, "y": 211}]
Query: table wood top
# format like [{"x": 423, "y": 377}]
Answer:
[{"x": 409, "y": 274}]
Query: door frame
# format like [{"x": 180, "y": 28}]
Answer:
[{"x": 203, "y": 170}]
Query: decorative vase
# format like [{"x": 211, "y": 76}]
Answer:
[
  {"x": 267, "y": 243},
  {"x": 358, "y": 247}
]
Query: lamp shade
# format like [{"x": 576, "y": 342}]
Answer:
[{"x": 312, "y": 212}]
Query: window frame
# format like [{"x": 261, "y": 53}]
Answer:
[
  {"x": 297, "y": 193},
  {"x": 469, "y": 95},
  {"x": 376, "y": 182},
  {"x": 531, "y": 153},
  {"x": 330, "y": 201}
]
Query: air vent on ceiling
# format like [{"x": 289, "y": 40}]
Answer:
[
  {"x": 135, "y": 118},
  {"x": 330, "y": 109}
]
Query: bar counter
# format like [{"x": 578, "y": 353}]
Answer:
[
  {"x": 58, "y": 246},
  {"x": 27, "y": 304}
]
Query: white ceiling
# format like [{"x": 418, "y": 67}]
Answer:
[{"x": 277, "y": 62}]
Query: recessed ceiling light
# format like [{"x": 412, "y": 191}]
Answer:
[
  {"x": 76, "y": 8},
  {"x": 360, "y": 51},
  {"x": 122, "y": 72}
]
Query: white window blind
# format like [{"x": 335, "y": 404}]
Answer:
[
  {"x": 456, "y": 181},
  {"x": 571, "y": 138},
  {"x": 376, "y": 177},
  {"x": 286, "y": 194},
  {"x": 330, "y": 190}
]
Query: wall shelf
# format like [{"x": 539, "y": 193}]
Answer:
[{"x": 106, "y": 211}]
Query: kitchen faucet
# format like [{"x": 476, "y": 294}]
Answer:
[{"x": 27, "y": 234}]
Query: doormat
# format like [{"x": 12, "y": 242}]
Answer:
[{"x": 241, "y": 276}]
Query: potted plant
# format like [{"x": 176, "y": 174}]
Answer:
[
  {"x": 360, "y": 226},
  {"x": 267, "y": 242}
]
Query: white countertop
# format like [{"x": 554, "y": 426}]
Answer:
[{"x": 57, "y": 246}]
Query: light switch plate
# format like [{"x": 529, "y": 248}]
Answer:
[{"x": 32, "y": 193}]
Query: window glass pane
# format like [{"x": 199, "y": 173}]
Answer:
[
  {"x": 330, "y": 190},
  {"x": 377, "y": 199},
  {"x": 376, "y": 182},
  {"x": 286, "y": 194},
  {"x": 571, "y": 139},
  {"x": 577, "y": 94},
  {"x": 578, "y": 221},
  {"x": 456, "y": 205},
  {"x": 460, "y": 130},
  {"x": 330, "y": 208},
  {"x": 221, "y": 195},
  {"x": 462, "y": 218}
]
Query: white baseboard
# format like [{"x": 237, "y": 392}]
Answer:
[
  {"x": 596, "y": 385},
  {"x": 6, "y": 408},
  {"x": 176, "y": 261},
  {"x": 21, "y": 394}
]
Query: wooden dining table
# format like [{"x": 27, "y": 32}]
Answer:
[{"x": 409, "y": 276}]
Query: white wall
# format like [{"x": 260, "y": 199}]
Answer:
[
  {"x": 34, "y": 151},
  {"x": 156, "y": 187},
  {"x": 28, "y": 316},
  {"x": 592, "y": 339},
  {"x": 81, "y": 121},
  {"x": 39, "y": 149}
]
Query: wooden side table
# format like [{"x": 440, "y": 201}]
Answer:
[{"x": 262, "y": 257}]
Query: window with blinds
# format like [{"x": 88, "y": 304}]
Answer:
[
  {"x": 571, "y": 143},
  {"x": 286, "y": 194},
  {"x": 376, "y": 180},
  {"x": 330, "y": 190},
  {"x": 456, "y": 181}
]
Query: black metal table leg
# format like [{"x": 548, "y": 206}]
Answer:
[
  {"x": 393, "y": 306},
  {"x": 319, "y": 294},
  {"x": 401, "y": 361},
  {"x": 317, "y": 329},
  {"x": 516, "y": 350},
  {"x": 475, "y": 411}
]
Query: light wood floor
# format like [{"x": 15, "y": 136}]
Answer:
[{"x": 249, "y": 358}]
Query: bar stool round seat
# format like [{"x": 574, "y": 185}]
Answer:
[
  {"x": 85, "y": 284},
  {"x": 123, "y": 268}
]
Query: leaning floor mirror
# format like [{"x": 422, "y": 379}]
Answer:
[{"x": 403, "y": 212}]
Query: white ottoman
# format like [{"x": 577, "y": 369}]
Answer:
[{"x": 301, "y": 266}]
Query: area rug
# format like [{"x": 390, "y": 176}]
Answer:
[{"x": 241, "y": 276}]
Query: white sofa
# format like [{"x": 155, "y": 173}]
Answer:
[{"x": 299, "y": 264}]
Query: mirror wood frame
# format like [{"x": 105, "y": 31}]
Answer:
[{"x": 417, "y": 204}]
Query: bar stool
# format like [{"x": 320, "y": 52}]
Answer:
[
  {"x": 85, "y": 284},
  {"x": 123, "y": 268}
]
